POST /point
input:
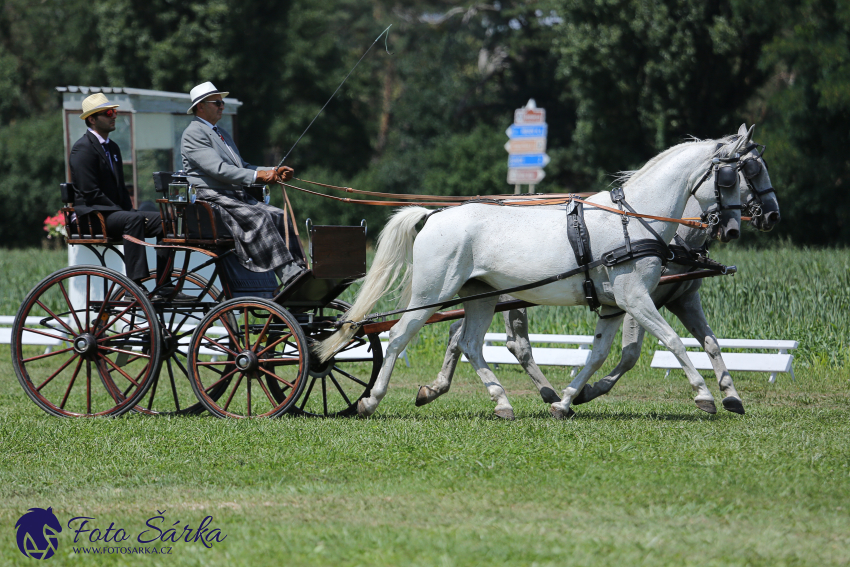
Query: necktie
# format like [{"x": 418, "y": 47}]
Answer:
[
  {"x": 235, "y": 159},
  {"x": 108, "y": 155}
]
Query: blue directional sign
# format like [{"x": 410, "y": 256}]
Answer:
[
  {"x": 538, "y": 131},
  {"x": 528, "y": 160}
]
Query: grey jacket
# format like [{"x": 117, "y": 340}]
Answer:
[{"x": 208, "y": 162}]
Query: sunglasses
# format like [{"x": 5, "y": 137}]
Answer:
[
  {"x": 109, "y": 113},
  {"x": 218, "y": 103}
]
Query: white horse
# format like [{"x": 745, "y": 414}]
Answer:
[
  {"x": 682, "y": 299},
  {"x": 506, "y": 247}
]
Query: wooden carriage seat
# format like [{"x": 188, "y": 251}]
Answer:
[
  {"x": 196, "y": 224},
  {"x": 84, "y": 229}
]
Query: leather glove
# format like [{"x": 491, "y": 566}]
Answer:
[
  {"x": 266, "y": 176},
  {"x": 285, "y": 173}
]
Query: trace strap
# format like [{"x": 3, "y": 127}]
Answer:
[{"x": 639, "y": 249}]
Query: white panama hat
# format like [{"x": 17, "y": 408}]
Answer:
[
  {"x": 95, "y": 103},
  {"x": 202, "y": 91}
]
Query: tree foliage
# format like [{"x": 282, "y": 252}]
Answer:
[{"x": 425, "y": 111}]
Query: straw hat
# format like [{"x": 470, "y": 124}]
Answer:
[
  {"x": 201, "y": 92},
  {"x": 95, "y": 103}
]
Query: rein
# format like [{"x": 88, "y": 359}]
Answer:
[{"x": 501, "y": 200}]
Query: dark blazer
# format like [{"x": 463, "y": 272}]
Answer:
[{"x": 98, "y": 187}]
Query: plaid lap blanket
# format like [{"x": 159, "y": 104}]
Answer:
[{"x": 257, "y": 228}]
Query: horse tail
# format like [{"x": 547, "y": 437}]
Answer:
[{"x": 392, "y": 256}]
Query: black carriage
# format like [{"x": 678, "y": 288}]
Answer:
[{"x": 240, "y": 348}]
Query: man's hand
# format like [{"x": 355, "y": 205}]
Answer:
[
  {"x": 285, "y": 173},
  {"x": 266, "y": 176}
]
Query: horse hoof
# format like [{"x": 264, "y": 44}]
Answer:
[
  {"x": 361, "y": 409},
  {"x": 549, "y": 396},
  {"x": 425, "y": 395},
  {"x": 707, "y": 406},
  {"x": 734, "y": 405},
  {"x": 558, "y": 413},
  {"x": 507, "y": 413}
]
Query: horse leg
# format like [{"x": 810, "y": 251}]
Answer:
[
  {"x": 409, "y": 324},
  {"x": 688, "y": 309},
  {"x": 478, "y": 316},
  {"x": 606, "y": 329},
  {"x": 516, "y": 327},
  {"x": 632, "y": 341},
  {"x": 441, "y": 385},
  {"x": 639, "y": 304}
]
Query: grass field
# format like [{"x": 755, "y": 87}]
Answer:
[{"x": 639, "y": 477}]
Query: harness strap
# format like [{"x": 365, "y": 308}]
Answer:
[
  {"x": 640, "y": 249},
  {"x": 579, "y": 239}
]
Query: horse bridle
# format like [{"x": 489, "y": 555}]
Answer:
[
  {"x": 725, "y": 177},
  {"x": 751, "y": 168}
]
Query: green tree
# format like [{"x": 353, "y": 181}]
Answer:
[
  {"x": 804, "y": 114},
  {"x": 645, "y": 75}
]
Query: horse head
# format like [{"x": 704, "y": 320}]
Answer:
[
  {"x": 720, "y": 198},
  {"x": 760, "y": 203}
]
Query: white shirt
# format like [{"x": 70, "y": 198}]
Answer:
[{"x": 225, "y": 143}]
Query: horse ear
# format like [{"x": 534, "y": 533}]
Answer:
[
  {"x": 742, "y": 129},
  {"x": 743, "y": 141}
]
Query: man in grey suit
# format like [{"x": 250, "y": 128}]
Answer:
[{"x": 216, "y": 169}]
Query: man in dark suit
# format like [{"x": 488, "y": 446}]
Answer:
[{"x": 97, "y": 171}]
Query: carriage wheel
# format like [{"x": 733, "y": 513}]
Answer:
[
  {"x": 102, "y": 354},
  {"x": 334, "y": 387},
  {"x": 172, "y": 394},
  {"x": 257, "y": 342}
]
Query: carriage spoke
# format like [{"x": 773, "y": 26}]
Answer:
[
  {"x": 137, "y": 355},
  {"x": 223, "y": 348},
  {"x": 153, "y": 391},
  {"x": 103, "y": 304},
  {"x": 70, "y": 384},
  {"x": 57, "y": 318},
  {"x": 235, "y": 387},
  {"x": 280, "y": 361},
  {"x": 339, "y": 388},
  {"x": 325, "y": 395},
  {"x": 306, "y": 395},
  {"x": 39, "y": 332},
  {"x": 124, "y": 334},
  {"x": 248, "y": 385},
  {"x": 268, "y": 395},
  {"x": 350, "y": 377},
  {"x": 124, "y": 374},
  {"x": 276, "y": 377},
  {"x": 88, "y": 386},
  {"x": 229, "y": 332},
  {"x": 71, "y": 307},
  {"x": 88, "y": 303},
  {"x": 47, "y": 354},
  {"x": 52, "y": 376},
  {"x": 220, "y": 380},
  {"x": 247, "y": 337},
  {"x": 263, "y": 333},
  {"x": 117, "y": 317},
  {"x": 274, "y": 344}
]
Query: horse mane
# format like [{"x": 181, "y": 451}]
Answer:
[{"x": 622, "y": 178}]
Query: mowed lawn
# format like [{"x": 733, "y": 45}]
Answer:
[{"x": 639, "y": 477}]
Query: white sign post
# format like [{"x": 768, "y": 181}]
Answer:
[{"x": 527, "y": 147}]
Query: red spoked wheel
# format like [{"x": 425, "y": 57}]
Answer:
[
  {"x": 242, "y": 346},
  {"x": 171, "y": 393},
  {"x": 335, "y": 386},
  {"x": 85, "y": 343}
]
